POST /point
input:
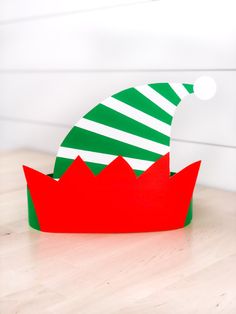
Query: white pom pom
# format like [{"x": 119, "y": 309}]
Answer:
[{"x": 204, "y": 87}]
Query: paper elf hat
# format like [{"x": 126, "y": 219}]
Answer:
[{"x": 111, "y": 172}]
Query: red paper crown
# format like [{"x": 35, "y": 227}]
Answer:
[{"x": 115, "y": 200}]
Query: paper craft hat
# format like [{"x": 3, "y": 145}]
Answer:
[{"x": 112, "y": 172}]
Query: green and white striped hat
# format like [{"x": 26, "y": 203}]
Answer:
[{"x": 134, "y": 123}]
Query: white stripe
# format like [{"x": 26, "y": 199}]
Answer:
[
  {"x": 179, "y": 89},
  {"x": 137, "y": 115},
  {"x": 122, "y": 136},
  {"x": 101, "y": 158},
  {"x": 158, "y": 99}
]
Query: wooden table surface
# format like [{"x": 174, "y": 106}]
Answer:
[{"x": 192, "y": 270}]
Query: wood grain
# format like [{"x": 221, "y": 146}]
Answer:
[{"x": 184, "y": 271}]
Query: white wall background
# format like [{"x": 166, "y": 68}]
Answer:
[{"x": 59, "y": 58}]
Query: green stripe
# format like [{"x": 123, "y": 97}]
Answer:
[
  {"x": 165, "y": 90},
  {"x": 64, "y": 163},
  {"x": 97, "y": 168},
  {"x": 189, "y": 88},
  {"x": 87, "y": 140},
  {"x": 61, "y": 165},
  {"x": 137, "y": 100},
  {"x": 114, "y": 119},
  {"x": 97, "y": 143}
]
